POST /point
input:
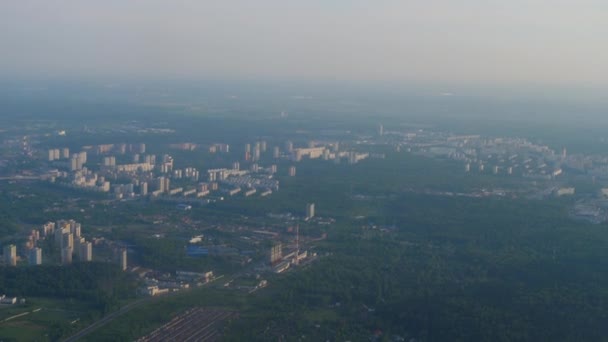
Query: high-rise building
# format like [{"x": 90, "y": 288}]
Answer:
[
  {"x": 143, "y": 188},
  {"x": 160, "y": 184},
  {"x": 150, "y": 159},
  {"x": 256, "y": 153},
  {"x": 122, "y": 259},
  {"x": 86, "y": 251},
  {"x": 76, "y": 230},
  {"x": 51, "y": 155},
  {"x": 276, "y": 153},
  {"x": 310, "y": 210},
  {"x": 65, "y": 153},
  {"x": 10, "y": 255},
  {"x": 263, "y": 145},
  {"x": 66, "y": 255},
  {"x": 289, "y": 146},
  {"x": 35, "y": 256},
  {"x": 292, "y": 171},
  {"x": 67, "y": 240},
  {"x": 61, "y": 229},
  {"x": 236, "y": 166},
  {"x": 74, "y": 164},
  {"x": 380, "y": 130},
  {"x": 48, "y": 228},
  {"x": 247, "y": 148},
  {"x": 109, "y": 161}
]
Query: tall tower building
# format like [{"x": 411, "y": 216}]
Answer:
[
  {"x": 10, "y": 255},
  {"x": 67, "y": 241},
  {"x": 61, "y": 229},
  {"x": 380, "y": 130},
  {"x": 160, "y": 184},
  {"x": 75, "y": 229},
  {"x": 310, "y": 210},
  {"x": 276, "y": 153},
  {"x": 122, "y": 259},
  {"x": 143, "y": 188},
  {"x": 292, "y": 171},
  {"x": 66, "y": 255},
  {"x": 86, "y": 251},
  {"x": 35, "y": 256},
  {"x": 256, "y": 152},
  {"x": 82, "y": 157}
]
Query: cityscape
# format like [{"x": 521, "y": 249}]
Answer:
[{"x": 339, "y": 171}]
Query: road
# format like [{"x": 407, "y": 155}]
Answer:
[
  {"x": 82, "y": 333},
  {"x": 15, "y": 178}
]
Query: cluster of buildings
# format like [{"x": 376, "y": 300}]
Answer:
[
  {"x": 326, "y": 151},
  {"x": 508, "y": 156},
  {"x": 62, "y": 157},
  {"x": 281, "y": 262},
  {"x": 254, "y": 153},
  {"x": 67, "y": 240},
  {"x": 58, "y": 154},
  {"x": 9, "y": 253},
  {"x": 314, "y": 150},
  {"x": 161, "y": 283},
  {"x": 155, "y": 177},
  {"x": 152, "y": 176}
]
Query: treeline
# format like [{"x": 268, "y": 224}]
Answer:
[
  {"x": 452, "y": 269},
  {"x": 101, "y": 284}
]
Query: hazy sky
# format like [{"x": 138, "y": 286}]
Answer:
[{"x": 490, "y": 41}]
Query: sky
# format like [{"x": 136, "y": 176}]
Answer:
[{"x": 555, "y": 42}]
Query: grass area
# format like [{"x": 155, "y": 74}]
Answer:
[
  {"x": 38, "y": 325},
  {"x": 22, "y": 331},
  {"x": 321, "y": 315}
]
